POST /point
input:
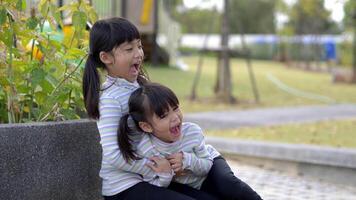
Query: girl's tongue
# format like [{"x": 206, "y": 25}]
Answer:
[
  {"x": 175, "y": 130},
  {"x": 134, "y": 69}
]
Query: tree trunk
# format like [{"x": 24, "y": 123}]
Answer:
[
  {"x": 223, "y": 85},
  {"x": 354, "y": 49}
]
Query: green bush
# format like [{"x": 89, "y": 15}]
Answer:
[
  {"x": 40, "y": 69},
  {"x": 345, "y": 53}
]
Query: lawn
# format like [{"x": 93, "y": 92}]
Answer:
[
  {"x": 271, "y": 96},
  {"x": 329, "y": 133},
  {"x": 339, "y": 133}
]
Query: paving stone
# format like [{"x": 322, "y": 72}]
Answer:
[{"x": 276, "y": 185}]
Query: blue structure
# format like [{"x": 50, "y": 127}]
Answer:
[{"x": 330, "y": 50}]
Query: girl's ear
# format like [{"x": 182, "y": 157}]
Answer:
[
  {"x": 145, "y": 127},
  {"x": 106, "y": 58}
]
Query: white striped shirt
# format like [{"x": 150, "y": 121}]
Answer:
[
  {"x": 117, "y": 175},
  {"x": 197, "y": 157}
]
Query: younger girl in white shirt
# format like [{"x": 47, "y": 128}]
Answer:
[{"x": 155, "y": 110}]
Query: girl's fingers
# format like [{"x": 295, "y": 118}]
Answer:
[
  {"x": 173, "y": 161},
  {"x": 176, "y": 167},
  {"x": 176, "y": 162},
  {"x": 154, "y": 159},
  {"x": 152, "y": 166}
]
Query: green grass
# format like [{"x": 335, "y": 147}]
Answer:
[
  {"x": 270, "y": 94},
  {"x": 329, "y": 133}
]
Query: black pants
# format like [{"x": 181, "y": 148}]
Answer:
[
  {"x": 189, "y": 191},
  {"x": 146, "y": 191},
  {"x": 222, "y": 183}
]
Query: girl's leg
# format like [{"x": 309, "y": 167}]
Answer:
[
  {"x": 192, "y": 192},
  {"x": 146, "y": 191},
  {"x": 221, "y": 181}
]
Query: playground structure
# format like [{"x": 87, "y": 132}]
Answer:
[{"x": 160, "y": 34}]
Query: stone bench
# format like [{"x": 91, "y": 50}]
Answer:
[{"x": 54, "y": 160}]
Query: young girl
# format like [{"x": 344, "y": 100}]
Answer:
[
  {"x": 155, "y": 110},
  {"x": 115, "y": 46}
]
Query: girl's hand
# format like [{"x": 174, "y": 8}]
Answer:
[
  {"x": 180, "y": 173},
  {"x": 159, "y": 165},
  {"x": 176, "y": 161}
]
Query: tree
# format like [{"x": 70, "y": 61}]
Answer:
[
  {"x": 350, "y": 23},
  {"x": 349, "y": 9},
  {"x": 310, "y": 17},
  {"x": 198, "y": 21},
  {"x": 223, "y": 88},
  {"x": 255, "y": 16}
]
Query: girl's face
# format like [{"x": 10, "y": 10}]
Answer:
[
  {"x": 168, "y": 126},
  {"x": 125, "y": 60}
]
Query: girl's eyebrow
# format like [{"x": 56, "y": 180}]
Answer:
[
  {"x": 131, "y": 43},
  {"x": 138, "y": 41}
]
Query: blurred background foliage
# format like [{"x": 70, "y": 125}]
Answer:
[{"x": 41, "y": 56}]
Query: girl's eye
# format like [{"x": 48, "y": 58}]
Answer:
[
  {"x": 163, "y": 116},
  {"x": 140, "y": 46},
  {"x": 130, "y": 49},
  {"x": 176, "y": 108}
]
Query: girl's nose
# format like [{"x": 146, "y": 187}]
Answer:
[
  {"x": 138, "y": 53},
  {"x": 175, "y": 117}
]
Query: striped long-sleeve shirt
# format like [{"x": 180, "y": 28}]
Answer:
[
  {"x": 197, "y": 157},
  {"x": 117, "y": 175}
]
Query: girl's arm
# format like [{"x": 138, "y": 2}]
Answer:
[
  {"x": 164, "y": 172},
  {"x": 110, "y": 114},
  {"x": 199, "y": 161},
  {"x": 160, "y": 165}
]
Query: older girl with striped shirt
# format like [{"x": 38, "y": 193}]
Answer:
[
  {"x": 154, "y": 109},
  {"x": 116, "y": 48}
]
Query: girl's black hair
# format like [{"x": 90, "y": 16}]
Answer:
[
  {"x": 105, "y": 35},
  {"x": 149, "y": 99}
]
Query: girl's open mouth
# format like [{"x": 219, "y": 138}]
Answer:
[
  {"x": 175, "y": 130},
  {"x": 135, "y": 68}
]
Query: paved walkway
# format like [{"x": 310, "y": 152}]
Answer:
[
  {"x": 271, "y": 184},
  {"x": 271, "y": 116},
  {"x": 275, "y": 185}
]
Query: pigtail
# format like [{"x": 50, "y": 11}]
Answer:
[
  {"x": 91, "y": 88},
  {"x": 143, "y": 77},
  {"x": 124, "y": 141}
]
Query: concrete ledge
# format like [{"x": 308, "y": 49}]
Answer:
[
  {"x": 330, "y": 164},
  {"x": 61, "y": 160},
  {"x": 55, "y": 160}
]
